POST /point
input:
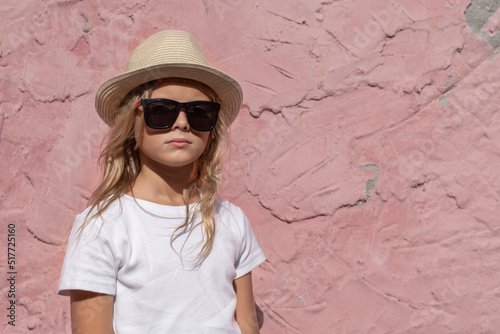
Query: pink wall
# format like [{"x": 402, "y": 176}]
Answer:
[{"x": 367, "y": 154}]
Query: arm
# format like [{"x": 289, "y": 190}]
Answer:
[
  {"x": 245, "y": 314},
  {"x": 91, "y": 313}
]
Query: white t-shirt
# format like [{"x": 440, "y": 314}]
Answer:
[{"x": 156, "y": 291}]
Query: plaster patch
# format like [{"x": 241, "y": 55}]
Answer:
[{"x": 477, "y": 16}]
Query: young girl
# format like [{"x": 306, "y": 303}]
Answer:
[{"x": 157, "y": 251}]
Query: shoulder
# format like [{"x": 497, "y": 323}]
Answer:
[
  {"x": 235, "y": 223},
  {"x": 99, "y": 217},
  {"x": 232, "y": 217},
  {"x": 226, "y": 209},
  {"x": 103, "y": 210}
]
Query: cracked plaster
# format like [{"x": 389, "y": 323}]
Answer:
[{"x": 366, "y": 154}]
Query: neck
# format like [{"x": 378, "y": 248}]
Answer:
[{"x": 162, "y": 184}]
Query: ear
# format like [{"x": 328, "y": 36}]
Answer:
[
  {"x": 138, "y": 112},
  {"x": 139, "y": 126}
]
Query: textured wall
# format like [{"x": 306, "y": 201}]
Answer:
[{"x": 367, "y": 153}]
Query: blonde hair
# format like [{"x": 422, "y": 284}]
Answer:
[{"x": 122, "y": 165}]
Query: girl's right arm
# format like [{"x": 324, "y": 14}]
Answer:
[{"x": 91, "y": 313}]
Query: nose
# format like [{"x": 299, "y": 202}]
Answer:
[{"x": 181, "y": 122}]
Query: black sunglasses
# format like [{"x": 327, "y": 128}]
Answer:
[{"x": 162, "y": 113}]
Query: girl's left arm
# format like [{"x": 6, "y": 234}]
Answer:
[{"x": 245, "y": 315}]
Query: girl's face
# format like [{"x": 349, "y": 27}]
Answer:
[{"x": 179, "y": 145}]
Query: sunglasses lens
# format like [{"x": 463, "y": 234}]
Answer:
[
  {"x": 203, "y": 116},
  {"x": 160, "y": 114}
]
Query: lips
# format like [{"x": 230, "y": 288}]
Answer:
[{"x": 179, "y": 142}]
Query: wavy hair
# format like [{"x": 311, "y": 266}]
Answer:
[{"x": 122, "y": 165}]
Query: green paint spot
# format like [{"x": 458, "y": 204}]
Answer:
[
  {"x": 449, "y": 80},
  {"x": 444, "y": 102},
  {"x": 371, "y": 183}
]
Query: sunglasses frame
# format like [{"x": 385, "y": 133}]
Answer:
[{"x": 179, "y": 105}]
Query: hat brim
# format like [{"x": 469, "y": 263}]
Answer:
[{"x": 111, "y": 93}]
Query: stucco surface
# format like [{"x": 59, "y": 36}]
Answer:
[{"x": 366, "y": 155}]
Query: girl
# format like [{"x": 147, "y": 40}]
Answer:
[{"x": 157, "y": 251}]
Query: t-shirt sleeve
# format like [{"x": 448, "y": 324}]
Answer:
[
  {"x": 91, "y": 261},
  {"x": 251, "y": 254}
]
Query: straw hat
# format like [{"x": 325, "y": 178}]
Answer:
[{"x": 168, "y": 54}]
